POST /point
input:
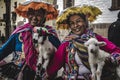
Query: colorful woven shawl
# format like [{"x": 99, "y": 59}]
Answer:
[{"x": 78, "y": 45}]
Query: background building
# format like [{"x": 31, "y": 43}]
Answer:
[{"x": 8, "y": 18}]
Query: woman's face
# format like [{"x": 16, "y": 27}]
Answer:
[
  {"x": 77, "y": 24},
  {"x": 35, "y": 18}
]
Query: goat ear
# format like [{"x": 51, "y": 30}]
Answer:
[{"x": 102, "y": 43}]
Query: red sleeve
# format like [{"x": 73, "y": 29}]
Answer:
[
  {"x": 59, "y": 59},
  {"x": 110, "y": 47}
]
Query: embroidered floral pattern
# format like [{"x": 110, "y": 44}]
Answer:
[{"x": 19, "y": 58}]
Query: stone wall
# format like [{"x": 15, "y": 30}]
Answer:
[{"x": 101, "y": 28}]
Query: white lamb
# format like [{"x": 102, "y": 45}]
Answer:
[
  {"x": 45, "y": 49},
  {"x": 96, "y": 56}
]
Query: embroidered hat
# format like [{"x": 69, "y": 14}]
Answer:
[
  {"x": 91, "y": 12},
  {"x": 22, "y": 9}
]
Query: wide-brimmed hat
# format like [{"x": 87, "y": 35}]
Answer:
[
  {"x": 22, "y": 9},
  {"x": 91, "y": 13}
]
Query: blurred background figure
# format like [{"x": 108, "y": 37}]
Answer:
[{"x": 114, "y": 31}]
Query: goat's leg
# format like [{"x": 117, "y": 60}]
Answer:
[
  {"x": 45, "y": 64},
  {"x": 39, "y": 67},
  {"x": 118, "y": 71},
  {"x": 40, "y": 58},
  {"x": 38, "y": 72},
  {"x": 40, "y": 61},
  {"x": 93, "y": 70},
  {"x": 99, "y": 70}
]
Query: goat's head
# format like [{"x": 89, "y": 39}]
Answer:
[
  {"x": 40, "y": 35},
  {"x": 93, "y": 45}
]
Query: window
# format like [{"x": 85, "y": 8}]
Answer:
[
  {"x": 115, "y": 5},
  {"x": 68, "y": 3},
  {"x": 119, "y": 3}
]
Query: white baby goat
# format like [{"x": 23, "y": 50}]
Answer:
[
  {"x": 96, "y": 56},
  {"x": 45, "y": 49}
]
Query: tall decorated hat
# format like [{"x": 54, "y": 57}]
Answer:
[
  {"x": 91, "y": 13},
  {"x": 22, "y": 9}
]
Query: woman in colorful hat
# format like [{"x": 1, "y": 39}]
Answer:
[
  {"x": 20, "y": 43},
  {"x": 72, "y": 54}
]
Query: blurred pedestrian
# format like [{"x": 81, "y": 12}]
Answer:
[{"x": 114, "y": 31}]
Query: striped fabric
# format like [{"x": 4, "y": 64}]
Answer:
[
  {"x": 29, "y": 50},
  {"x": 78, "y": 45}
]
